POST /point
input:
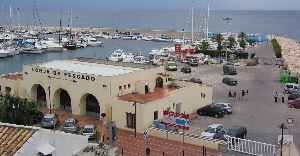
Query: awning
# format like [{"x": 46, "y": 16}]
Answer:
[{"x": 46, "y": 149}]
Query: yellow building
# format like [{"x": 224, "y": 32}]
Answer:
[{"x": 118, "y": 90}]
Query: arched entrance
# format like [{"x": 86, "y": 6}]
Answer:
[
  {"x": 159, "y": 82},
  {"x": 63, "y": 99},
  {"x": 38, "y": 93},
  {"x": 90, "y": 105}
]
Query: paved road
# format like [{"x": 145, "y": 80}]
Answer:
[{"x": 258, "y": 111}]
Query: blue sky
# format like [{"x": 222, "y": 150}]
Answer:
[{"x": 158, "y": 4}]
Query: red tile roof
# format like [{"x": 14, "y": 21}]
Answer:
[
  {"x": 158, "y": 93},
  {"x": 12, "y": 139},
  {"x": 14, "y": 76}
]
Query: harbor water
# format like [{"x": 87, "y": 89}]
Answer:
[{"x": 15, "y": 63}]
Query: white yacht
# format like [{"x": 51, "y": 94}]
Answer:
[
  {"x": 8, "y": 52},
  {"x": 37, "y": 48},
  {"x": 140, "y": 60},
  {"x": 117, "y": 55},
  {"x": 93, "y": 42},
  {"x": 51, "y": 45},
  {"x": 128, "y": 57}
]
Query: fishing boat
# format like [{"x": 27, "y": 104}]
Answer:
[
  {"x": 51, "y": 45},
  {"x": 70, "y": 45},
  {"x": 8, "y": 52}
]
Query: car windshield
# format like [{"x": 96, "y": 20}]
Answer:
[
  {"x": 69, "y": 124},
  {"x": 210, "y": 130},
  {"x": 47, "y": 119},
  {"x": 88, "y": 130}
]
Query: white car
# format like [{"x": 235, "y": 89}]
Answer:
[
  {"x": 212, "y": 130},
  {"x": 226, "y": 106},
  {"x": 89, "y": 131}
]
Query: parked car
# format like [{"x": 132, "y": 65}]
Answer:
[
  {"x": 193, "y": 61},
  {"x": 90, "y": 131},
  {"x": 229, "y": 69},
  {"x": 171, "y": 66},
  {"x": 196, "y": 80},
  {"x": 226, "y": 106},
  {"x": 235, "y": 131},
  {"x": 49, "y": 121},
  {"x": 186, "y": 69},
  {"x": 212, "y": 111},
  {"x": 294, "y": 103},
  {"x": 212, "y": 130},
  {"x": 70, "y": 125},
  {"x": 230, "y": 81},
  {"x": 291, "y": 88},
  {"x": 293, "y": 96}
]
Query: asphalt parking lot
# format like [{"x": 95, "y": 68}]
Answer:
[{"x": 257, "y": 111}]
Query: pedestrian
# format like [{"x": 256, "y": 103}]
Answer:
[
  {"x": 234, "y": 94},
  {"x": 230, "y": 94},
  {"x": 247, "y": 91},
  {"x": 275, "y": 95},
  {"x": 282, "y": 99},
  {"x": 243, "y": 92}
]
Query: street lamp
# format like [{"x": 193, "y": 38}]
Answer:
[
  {"x": 282, "y": 127},
  {"x": 134, "y": 104}
]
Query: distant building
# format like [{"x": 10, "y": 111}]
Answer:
[
  {"x": 100, "y": 87},
  {"x": 32, "y": 141}
]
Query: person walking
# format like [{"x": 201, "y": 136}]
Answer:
[
  {"x": 282, "y": 98},
  {"x": 275, "y": 95},
  {"x": 230, "y": 94}
]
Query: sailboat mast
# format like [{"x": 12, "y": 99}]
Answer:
[
  {"x": 192, "y": 24},
  {"x": 207, "y": 19}
]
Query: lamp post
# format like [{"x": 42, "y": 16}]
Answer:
[
  {"x": 50, "y": 105},
  {"x": 134, "y": 104},
  {"x": 282, "y": 127}
]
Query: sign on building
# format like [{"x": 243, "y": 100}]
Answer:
[{"x": 177, "y": 120}]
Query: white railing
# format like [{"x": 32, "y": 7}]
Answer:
[{"x": 250, "y": 147}]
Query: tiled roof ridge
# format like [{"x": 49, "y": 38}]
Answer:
[{"x": 19, "y": 126}]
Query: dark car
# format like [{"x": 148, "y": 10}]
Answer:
[
  {"x": 293, "y": 96},
  {"x": 230, "y": 81},
  {"x": 193, "y": 61},
  {"x": 294, "y": 103},
  {"x": 195, "y": 80},
  {"x": 212, "y": 111},
  {"x": 235, "y": 131},
  {"x": 186, "y": 69}
]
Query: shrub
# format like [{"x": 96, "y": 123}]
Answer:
[{"x": 277, "y": 48}]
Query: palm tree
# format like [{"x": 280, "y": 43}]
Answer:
[
  {"x": 219, "y": 39},
  {"x": 242, "y": 40},
  {"x": 232, "y": 42},
  {"x": 204, "y": 46}
]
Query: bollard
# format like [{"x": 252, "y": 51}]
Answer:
[
  {"x": 122, "y": 152},
  {"x": 147, "y": 151},
  {"x": 163, "y": 153},
  {"x": 182, "y": 153}
]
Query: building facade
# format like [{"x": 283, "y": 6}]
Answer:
[{"x": 131, "y": 95}]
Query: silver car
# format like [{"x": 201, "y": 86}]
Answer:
[
  {"x": 49, "y": 121},
  {"x": 70, "y": 125}
]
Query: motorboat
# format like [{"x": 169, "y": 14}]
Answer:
[
  {"x": 8, "y": 52},
  {"x": 117, "y": 55},
  {"x": 70, "y": 45},
  {"x": 128, "y": 57},
  {"x": 140, "y": 60},
  {"x": 93, "y": 42},
  {"x": 147, "y": 38},
  {"x": 51, "y": 45},
  {"x": 32, "y": 50}
]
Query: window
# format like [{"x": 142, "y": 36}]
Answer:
[
  {"x": 130, "y": 120},
  {"x": 124, "y": 86},
  {"x": 129, "y": 86},
  {"x": 120, "y": 87},
  {"x": 155, "y": 115}
]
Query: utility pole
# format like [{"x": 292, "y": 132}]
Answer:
[
  {"x": 207, "y": 19},
  {"x": 134, "y": 118}
]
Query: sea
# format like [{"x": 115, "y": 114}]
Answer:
[{"x": 285, "y": 23}]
